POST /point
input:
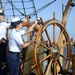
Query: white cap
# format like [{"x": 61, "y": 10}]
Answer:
[
  {"x": 15, "y": 19},
  {"x": 1, "y": 11}
]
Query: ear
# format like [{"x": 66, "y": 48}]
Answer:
[{"x": 17, "y": 25}]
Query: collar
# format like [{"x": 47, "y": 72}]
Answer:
[{"x": 16, "y": 30}]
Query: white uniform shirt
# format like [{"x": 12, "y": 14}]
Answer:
[
  {"x": 3, "y": 26},
  {"x": 15, "y": 41},
  {"x": 22, "y": 32}
]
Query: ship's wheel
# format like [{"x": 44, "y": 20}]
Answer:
[{"x": 52, "y": 49}]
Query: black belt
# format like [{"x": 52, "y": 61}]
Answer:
[{"x": 14, "y": 52}]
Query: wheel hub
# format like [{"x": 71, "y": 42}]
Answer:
[{"x": 55, "y": 51}]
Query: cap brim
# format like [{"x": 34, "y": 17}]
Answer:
[
  {"x": 2, "y": 14},
  {"x": 15, "y": 23}
]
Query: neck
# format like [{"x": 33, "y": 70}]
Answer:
[{"x": 17, "y": 28}]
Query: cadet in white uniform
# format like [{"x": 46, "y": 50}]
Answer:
[
  {"x": 3, "y": 42},
  {"x": 15, "y": 46}
]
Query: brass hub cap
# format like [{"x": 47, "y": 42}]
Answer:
[{"x": 55, "y": 51}]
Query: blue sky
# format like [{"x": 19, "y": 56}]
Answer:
[{"x": 57, "y": 8}]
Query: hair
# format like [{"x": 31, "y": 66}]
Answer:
[{"x": 11, "y": 27}]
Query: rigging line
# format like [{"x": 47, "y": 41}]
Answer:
[
  {"x": 40, "y": 9},
  {"x": 16, "y": 8},
  {"x": 5, "y": 4},
  {"x": 71, "y": 7},
  {"x": 1, "y": 3},
  {"x": 35, "y": 9},
  {"x": 45, "y": 6},
  {"x": 23, "y": 7},
  {"x": 12, "y": 9}
]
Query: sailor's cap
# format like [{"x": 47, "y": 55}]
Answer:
[
  {"x": 15, "y": 21},
  {"x": 2, "y": 11}
]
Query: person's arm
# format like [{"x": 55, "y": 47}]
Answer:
[
  {"x": 26, "y": 44},
  {"x": 31, "y": 28}
]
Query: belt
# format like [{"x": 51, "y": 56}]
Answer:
[{"x": 14, "y": 52}]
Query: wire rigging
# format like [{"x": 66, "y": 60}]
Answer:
[
  {"x": 23, "y": 7},
  {"x": 40, "y": 9},
  {"x": 0, "y": 3},
  {"x": 12, "y": 9},
  {"x": 24, "y": 13},
  {"x": 16, "y": 8}
]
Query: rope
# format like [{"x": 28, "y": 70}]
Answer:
[
  {"x": 40, "y": 9},
  {"x": 15, "y": 7}
]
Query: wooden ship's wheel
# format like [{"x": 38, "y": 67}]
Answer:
[
  {"x": 51, "y": 51},
  {"x": 51, "y": 48}
]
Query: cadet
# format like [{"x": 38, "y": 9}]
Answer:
[
  {"x": 15, "y": 46},
  {"x": 3, "y": 42}
]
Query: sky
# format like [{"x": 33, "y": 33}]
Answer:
[
  {"x": 57, "y": 8},
  {"x": 47, "y": 13}
]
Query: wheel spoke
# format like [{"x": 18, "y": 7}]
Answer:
[
  {"x": 60, "y": 65},
  {"x": 54, "y": 33},
  {"x": 64, "y": 57},
  {"x": 64, "y": 45},
  {"x": 48, "y": 37},
  {"x": 67, "y": 65},
  {"x": 45, "y": 47},
  {"x": 42, "y": 60},
  {"x": 42, "y": 39},
  {"x": 55, "y": 69},
  {"x": 48, "y": 69},
  {"x": 60, "y": 36}
]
